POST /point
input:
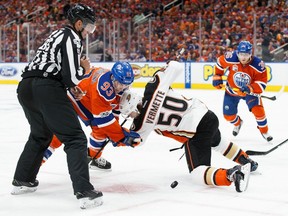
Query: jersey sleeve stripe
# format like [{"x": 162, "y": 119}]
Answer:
[
  {"x": 103, "y": 121},
  {"x": 72, "y": 63}
]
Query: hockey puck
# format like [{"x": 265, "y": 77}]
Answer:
[{"x": 174, "y": 184}]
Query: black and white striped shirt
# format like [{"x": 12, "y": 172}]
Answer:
[{"x": 58, "y": 58}]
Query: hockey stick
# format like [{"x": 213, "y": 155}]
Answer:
[
  {"x": 251, "y": 152},
  {"x": 273, "y": 98},
  {"x": 106, "y": 142}
]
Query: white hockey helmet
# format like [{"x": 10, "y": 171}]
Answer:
[{"x": 128, "y": 102}]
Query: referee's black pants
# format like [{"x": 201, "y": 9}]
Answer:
[{"x": 49, "y": 111}]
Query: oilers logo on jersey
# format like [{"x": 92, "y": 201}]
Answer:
[{"x": 241, "y": 79}]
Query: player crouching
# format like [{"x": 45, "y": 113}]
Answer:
[{"x": 192, "y": 124}]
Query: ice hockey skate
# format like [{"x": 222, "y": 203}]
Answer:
[
  {"x": 89, "y": 199},
  {"x": 21, "y": 187},
  {"x": 267, "y": 136},
  {"x": 239, "y": 175},
  {"x": 237, "y": 128},
  {"x": 100, "y": 164},
  {"x": 244, "y": 160}
]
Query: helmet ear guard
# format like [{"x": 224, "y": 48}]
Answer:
[{"x": 128, "y": 102}]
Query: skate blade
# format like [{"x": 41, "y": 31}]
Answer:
[
  {"x": 246, "y": 171},
  {"x": 100, "y": 169},
  {"x": 86, "y": 202},
  {"x": 18, "y": 190}
]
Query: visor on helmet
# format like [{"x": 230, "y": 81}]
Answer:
[{"x": 90, "y": 28}]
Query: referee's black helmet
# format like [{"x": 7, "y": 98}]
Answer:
[{"x": 81, "y": 12}]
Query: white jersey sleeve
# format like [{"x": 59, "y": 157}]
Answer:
[{"x": 165, "y": 79}]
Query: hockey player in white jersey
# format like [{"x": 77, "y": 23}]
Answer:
[{"x": 190, "y": 122}]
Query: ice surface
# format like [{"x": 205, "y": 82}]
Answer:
[{"x": 139, "y": 183}]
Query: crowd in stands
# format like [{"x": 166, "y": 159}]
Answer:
[{"x": 206, "y": 28}]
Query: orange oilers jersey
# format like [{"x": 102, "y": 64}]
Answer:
[
  {"x": 100, "y": 105},
  {"x": 253, "y": 74}
]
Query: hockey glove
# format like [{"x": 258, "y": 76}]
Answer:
[
  {"x": 247, "y": 89},
  {"x": 217, "y": 81},
  {"x": 77, "y": 93},
  {"x": 131, "y": 139}
]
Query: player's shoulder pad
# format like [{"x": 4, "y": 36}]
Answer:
[
  {"x": 157, "y": 72},
  {"x": 257, "y": 64},
  {"x": 151, "y": 87},
  {"x": 231, "y": 57},
  {"x": 155, "y": 78},
  {"x": 105, "y": 86}
]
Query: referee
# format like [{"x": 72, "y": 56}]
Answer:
[{"x": 42, "y": 94}]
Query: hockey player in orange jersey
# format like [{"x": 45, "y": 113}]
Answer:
[
  {"x": 247, "y": 75},
  {"x": 99, "y": 109},
  {"x": 189, "y": 122}
]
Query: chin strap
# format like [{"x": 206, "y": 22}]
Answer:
[{"x": 80, "y": 33}]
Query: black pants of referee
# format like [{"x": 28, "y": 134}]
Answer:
[
  {"x": 49, "y": 111},
  {"x": 198, "y": 148}
]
